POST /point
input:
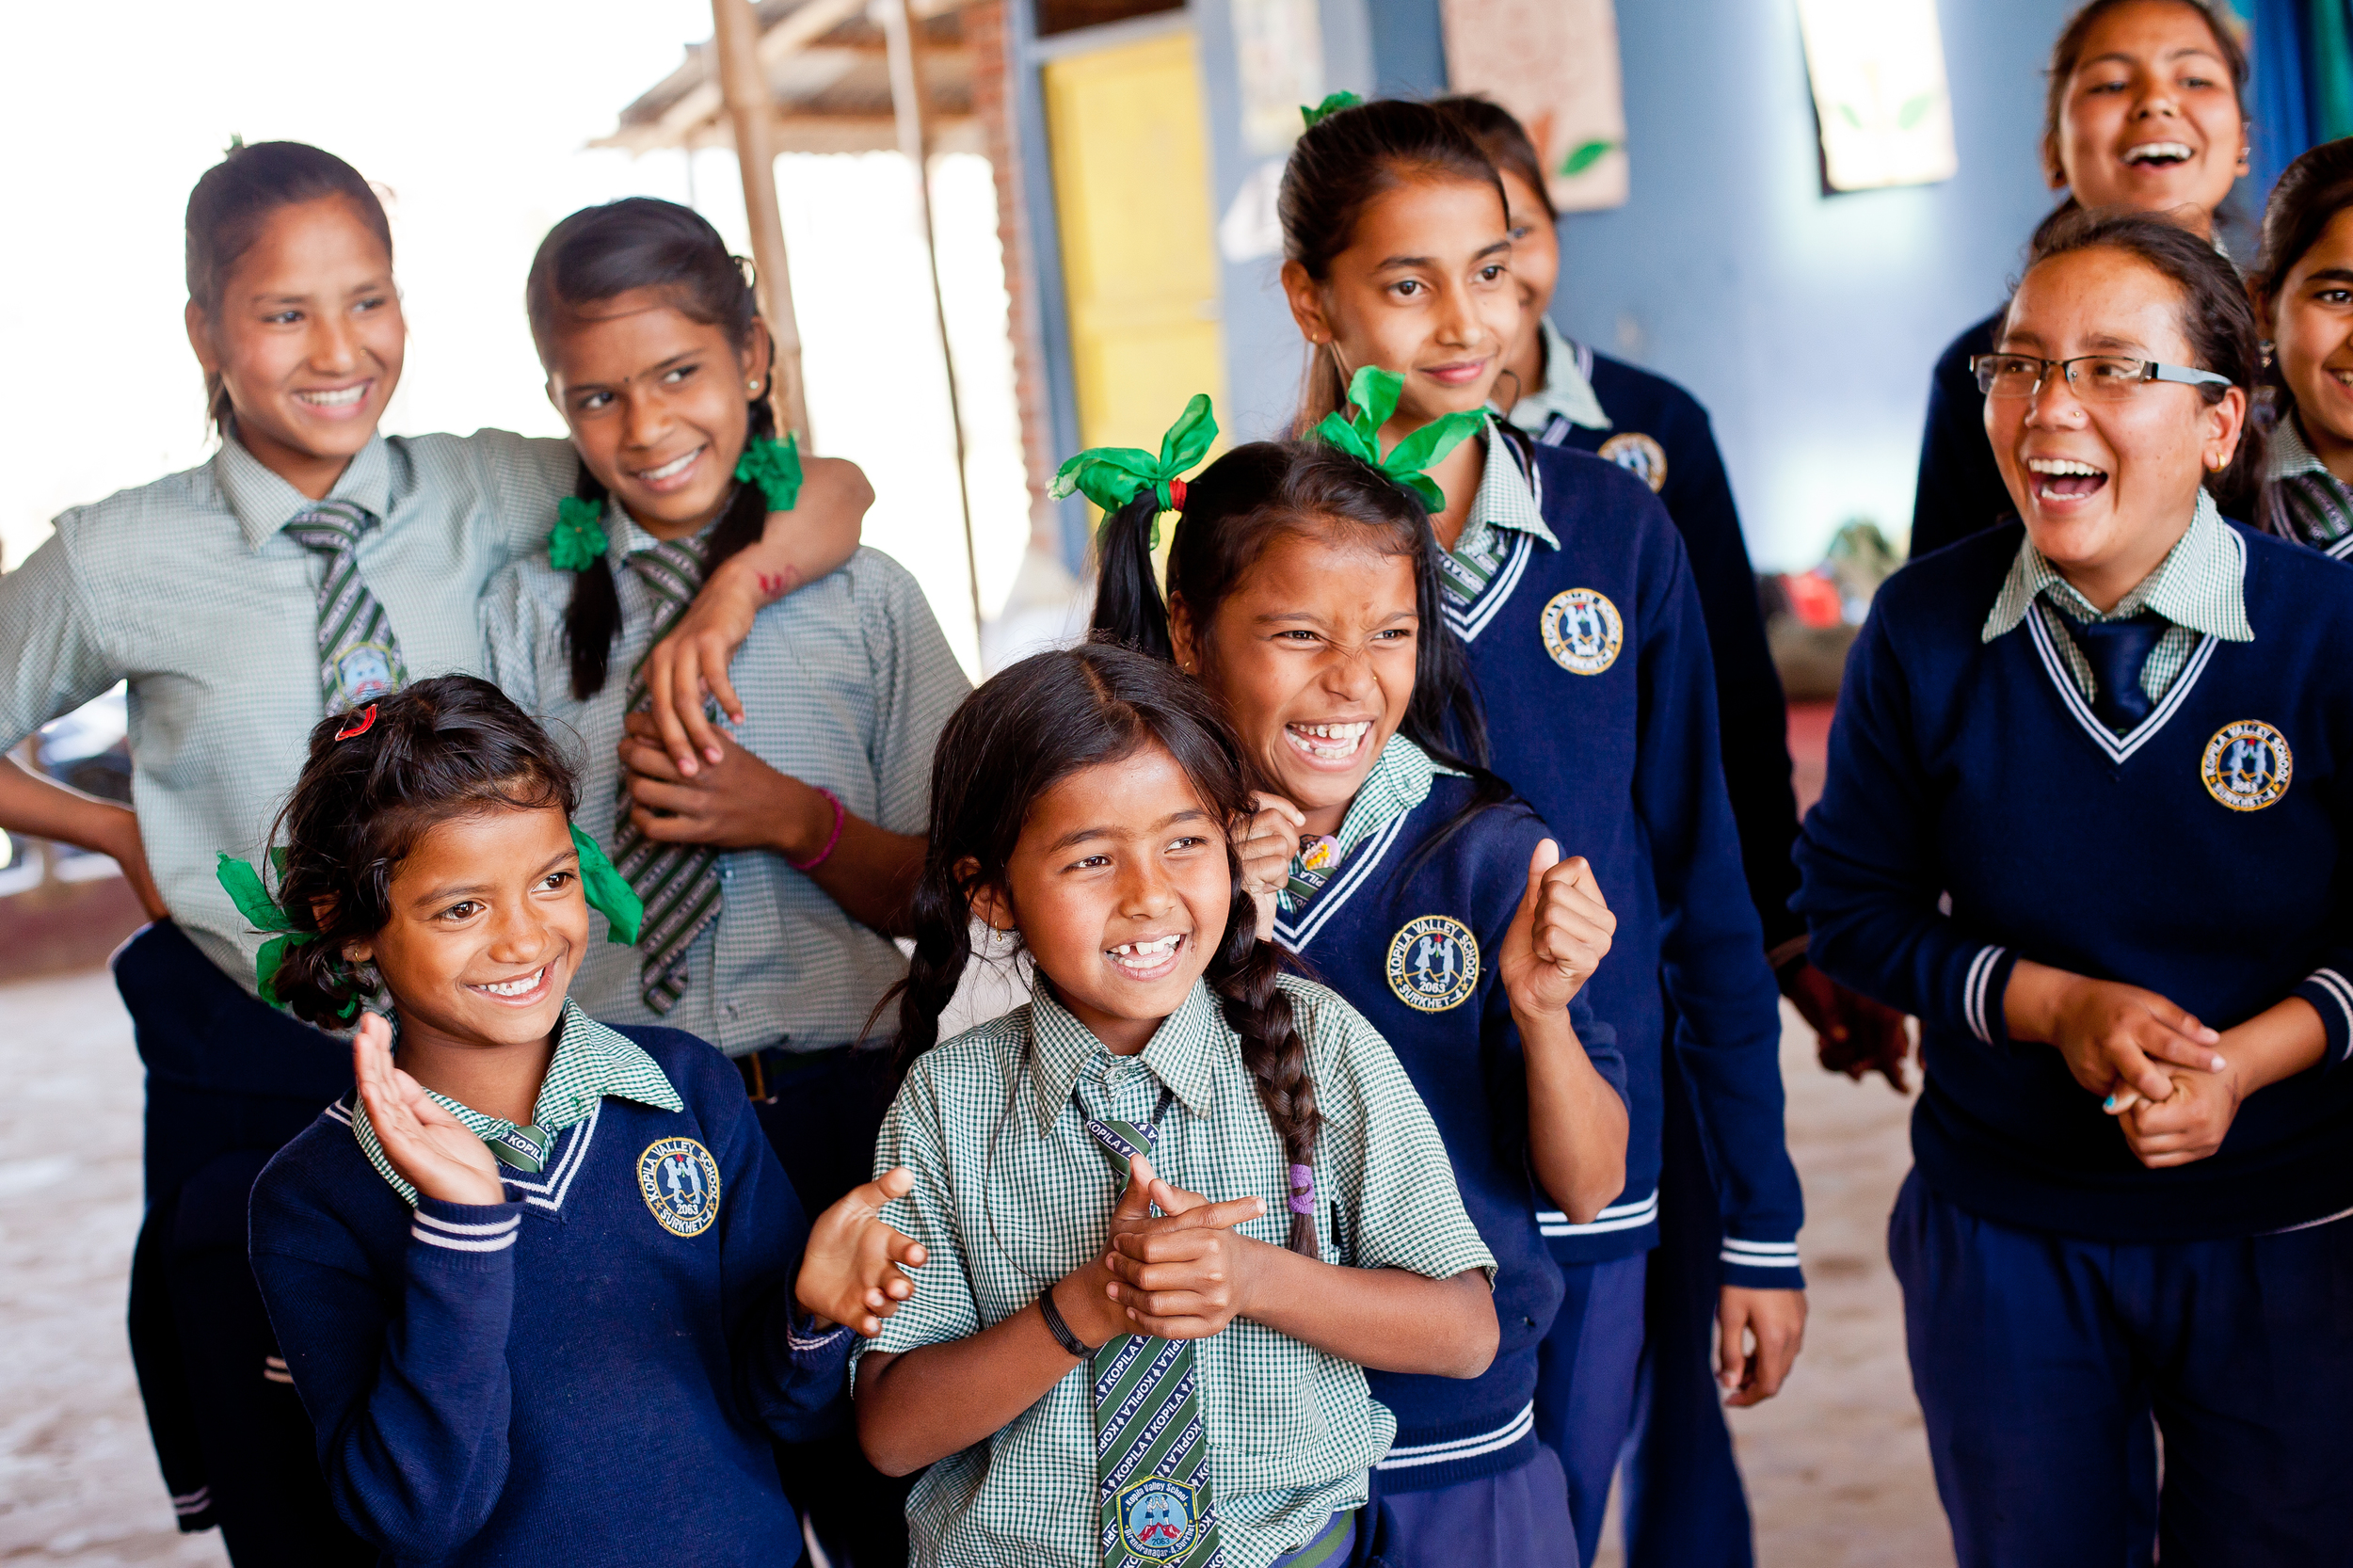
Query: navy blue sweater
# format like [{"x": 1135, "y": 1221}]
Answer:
[
  {"x": 1752, "y": 716},
  {"x": 558, "y": 1379},
  {"x": 1960, "y": 490},
  {"x": 1973, "y": 771},
  {"x": 1623, "y": 761},
  {"x": 1362, "y": 935}
]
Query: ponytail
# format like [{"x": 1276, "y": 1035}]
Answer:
[{"x": 1127, "y": 604}]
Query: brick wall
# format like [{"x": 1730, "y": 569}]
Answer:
[{"x": 992, "y": 103}]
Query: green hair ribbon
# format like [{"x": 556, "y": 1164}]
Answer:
[
  {"x": 608, "y": 891},
  {"x": 263, "y": 913},
  {"x": 1333, "y": 103},
  {"x": 1373, "y": 393},
  {"x": 775, "y": 468},
  {"x": 1112, "y": 476},
  {"x": 577, "y": 541}
]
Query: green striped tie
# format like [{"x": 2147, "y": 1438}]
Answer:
[
  {"x": 2317, "y": 505},
  {"x": 679, "y": 883},
  {"x": 1151, "y": 1445},
  {"x": 358, "y": 656}
]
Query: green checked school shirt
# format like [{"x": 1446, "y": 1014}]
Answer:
[
  {"x": 2199, "y": 586},
  {"x": 846, "y": 684},
  {"x": 590, "y": 1063},
  {"x": 1399, "y": 780},
  {"x": 1505, "y": 504},
  {"x": 1011, "y": 1193},
  {"x": 188, "y": 589}
]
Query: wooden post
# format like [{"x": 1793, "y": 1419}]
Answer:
[
  {"x": 744, "y": 87},
  {"x": 906, "y": 106}
]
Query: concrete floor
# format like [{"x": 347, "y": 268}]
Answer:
[{"x": 1837, "y": 1469}]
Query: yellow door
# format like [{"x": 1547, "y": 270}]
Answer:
[{"x": 1131, "y": 189}]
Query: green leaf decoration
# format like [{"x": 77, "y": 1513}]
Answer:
[
  {"x": 608, "y": 891},
  {"x": 775, "y": 468},
  {"x": 577, "y": 541},
  {"x": 1112, "y": 476},
  {"x": 1584, "y": 155},
  {"x": 1914, "y": 110},
  {"x": 1333, "y": 103},
  {"x": 1373, "y": 393},
  {"x": 243, "y": 885}
]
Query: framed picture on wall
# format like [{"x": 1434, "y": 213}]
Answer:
[
  {"x": 1877, "y": 71},
  {"x": 1554, "y": 64}
]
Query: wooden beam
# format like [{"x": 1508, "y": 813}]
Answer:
[{"x": 735, "y": 34}]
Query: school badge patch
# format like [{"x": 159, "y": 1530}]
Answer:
[
  {"x": 1639, "y": 456},
  {"x": 1433, "y": 963},
  {"x": 2247, "y": 765},
  {"x": 1581, "y": 631},
  {"x": 681, "y": 1182},
  {"x": 1158, "y": 1517}
]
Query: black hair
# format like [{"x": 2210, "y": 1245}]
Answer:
[
  {"x": 1233, "y": 511},
  {"x": 2067, "y": 53},
  {"x": 2216, "y": 317},
  {"x": 1343, "y": 162},
  {"x": 446, "y": 747},
  {"x": 1505, "y": 140},
  {"x": 594, "y": 255},
  {"x": 1025, "y": 731},
  {"x": 2312, "y": 191},
  {"x": 234, "y": 199}
]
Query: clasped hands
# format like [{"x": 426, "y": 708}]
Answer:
[
  {"x": 1183, "y": 1274},
  {"x": 2158, "y": 1068}
]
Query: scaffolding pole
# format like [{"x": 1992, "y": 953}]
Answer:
[{"x": 744, "y": 87}]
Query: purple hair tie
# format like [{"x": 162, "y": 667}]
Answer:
[{"x": 1303, "y": 1188}]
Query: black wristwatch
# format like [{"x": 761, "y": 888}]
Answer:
[{"x": 1060, "y": 1330}]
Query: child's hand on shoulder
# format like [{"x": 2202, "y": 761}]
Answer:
[
  {"x": 433, "y": 1151},
  {"x": 854, "y": 1268},
  {"x": 1183, "y": 1274},
  {"x": 1560, "y": 936}
]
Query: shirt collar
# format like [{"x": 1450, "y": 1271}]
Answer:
[
  {"x": 1505, "y": 498},
  {"x": 2290, "y": 453},
  {"x": 1399, "y": 780},
  {"x": 2200, "y": 584},
  {"x": 1567, "y": 390},
  {"x": 264, "y": 503},
  {"x": 1182, "y": 1052},
  {"x": 591, "y": 1062}
]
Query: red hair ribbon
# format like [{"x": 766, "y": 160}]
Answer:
[
  {"x": 357, "y": 726},
  {"x": 1175, "y": 495}
]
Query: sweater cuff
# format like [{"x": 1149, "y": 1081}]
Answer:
[
  {"x": 453, "y": 1233},
  {"x": 1761, "y": 1265},
  {"x": 2332, "y": 996},
  {"x": 812, "y": 1342},
  {"x": 1982, "y": 989}
]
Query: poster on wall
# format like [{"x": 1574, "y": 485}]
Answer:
[
  {"x": 1553, "y": 63},
  {"x": 1878, "y": 68},
  {"x": 1279, "y": 45}
]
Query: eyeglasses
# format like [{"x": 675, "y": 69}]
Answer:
[{"x": 2094, "y": 378}]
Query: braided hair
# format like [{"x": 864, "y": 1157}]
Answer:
[
  {"x": 1023, "y": 732},
  {"x": 594, "y": 255}
]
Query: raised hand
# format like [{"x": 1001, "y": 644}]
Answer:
[
  {"x": 1266, "y": 841},
  {"x": 1560, "y": 936},
  {"x": 1182, "y": 1275},
  {"x": 433, "y": 1151},
  {"x": 853, "y": 1270}
]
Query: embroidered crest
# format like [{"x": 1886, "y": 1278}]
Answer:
[
  {"x": 1158, "y": 1517},
  {"x": 1433, "y": 963},
  {"x": 1581, "y": 631},
  {"x": 2247, "y": 765},
  {"x": 1639, "y": 456},
  {"x": 364, "y": 670},
  {"x": 681, "y": 1182}
]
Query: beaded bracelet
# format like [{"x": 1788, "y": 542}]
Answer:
[{"x": 840, "y": 816}]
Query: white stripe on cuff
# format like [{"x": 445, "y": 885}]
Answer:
[
  {"x": 186, "y": 1503},
  {"x": 1760, "y": 1255},
  {"x": 2341, "y": 992},
  {"x": 1972, "y": 996},
  {"x": 492, "y": 1235},
  {"x": 1624, "y": 1216},
  {"x": 1419, "y": 1454},
  {"x": 468, "y": 1227}
]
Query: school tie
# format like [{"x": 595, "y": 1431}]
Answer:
[
  {"x": 2318, "y": 506},
  {"x": 2115, "y": 650},
  {"x": 679, "y": 883},
  {"x": 358, "y": 656},
  {"x": 1151, "y": 1445}
]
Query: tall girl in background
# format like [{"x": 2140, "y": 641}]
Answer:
[
  {"x": 1565, "y": 578},
  {"x": 311, "y": 564},
  {"x": 2142, "y": 113},
  {"x": 1684, "y": 1502},
  {"x": 2130, "y": 1179},
  {"x": 1303, "y": 593},
  {"x": 772, "y": 877},
  {"x": 1309, "y": 1225},
  {"x": 2302, "y": 287}
]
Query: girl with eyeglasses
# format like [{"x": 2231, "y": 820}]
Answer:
[
  {"x": 2085, "y": 817},
  {"x": 2143, "y": 114}
]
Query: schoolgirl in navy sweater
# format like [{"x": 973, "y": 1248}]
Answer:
[
  {"x": 1304, "y": 592},
  {"x": 1565, "y": 578},
  {"x": 536, "y": 1283},
  {"x": 2142, "y": 113},
  {"x": 2087, "y": 816}
]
